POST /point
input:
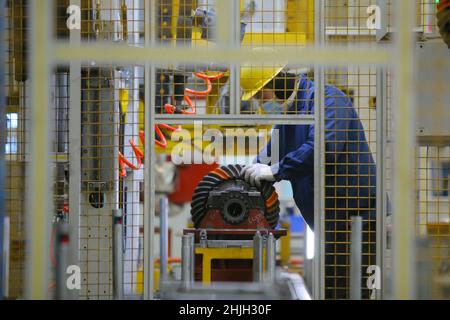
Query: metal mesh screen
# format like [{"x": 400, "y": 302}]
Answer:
[
  {"x": 111, "y": 175},
  {"x": 350, "y": 176},
  {"x": 111, "y": 110},
  {"x": 16, "y": 148},
  {"x": 112, "y": 130},
  {"x": 432, "y": 170},
  {"x": 350, "y": 143},
  {"x": 433, "y": 215}
]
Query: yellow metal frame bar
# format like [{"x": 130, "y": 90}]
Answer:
[
  {"x": 403, "y": 170},
  {"x": 285, "y": 244},
  {"x": 209, "y": 254},
  {"x": 331, "y": 56},
  {"x": 39, "y": 206}
]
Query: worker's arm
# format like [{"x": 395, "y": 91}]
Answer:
[
  {"x": 338, "y": 114},
  {"x": 265, "y": 155}
]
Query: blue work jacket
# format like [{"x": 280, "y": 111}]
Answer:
[{"x": 349, "y": 170}]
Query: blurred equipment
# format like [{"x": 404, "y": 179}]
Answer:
[
  {"x": 432, "y": 117},
  {"x": 206, "y": 20},
  {"x": 443, "y": 20}
]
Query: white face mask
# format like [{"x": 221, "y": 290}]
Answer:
[
  {"x": 274, "y": 107},
  {"x": 290, "y": 101}
]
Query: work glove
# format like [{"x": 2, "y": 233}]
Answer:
[{"x": 256, "y": 173}]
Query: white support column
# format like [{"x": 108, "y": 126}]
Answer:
[
  {"x": 133, "y": 207},
  {"x": 3, "y": 238},
  {"x": 39, "y": 178},
  {"x": 319, "y": 159},
  {"x": 149, "y": 174},
  {"x": 381, "y": 204},
  {"x": 404, "y": 153},
  {"x": 74, "y": 152}
]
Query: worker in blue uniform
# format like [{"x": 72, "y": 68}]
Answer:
[{"x": 349, "y": 167}]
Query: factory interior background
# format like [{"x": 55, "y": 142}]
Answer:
[{"x": 131, "y": 132}]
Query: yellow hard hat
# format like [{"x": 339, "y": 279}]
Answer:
[{"x": 254, "y": 78}]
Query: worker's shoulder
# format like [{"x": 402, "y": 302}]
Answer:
[
  {"x": 336, "y": 97},
  {"x": 333, "y": 95},
  {"x": 309, "y": 86}
]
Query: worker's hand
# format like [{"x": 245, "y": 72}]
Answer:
[{"x": 256, "y": 173}]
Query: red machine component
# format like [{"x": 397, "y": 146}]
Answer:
[
  {"x": 213, "y": 219},
  {"x": 187, "y": 179},
  {"x": 224, "y": 200},
  {"x": 226, "y": 208}
]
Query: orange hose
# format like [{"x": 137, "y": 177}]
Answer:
[
  {"x": 161, "y": 141},
  {"x": 170, "y": 260}
]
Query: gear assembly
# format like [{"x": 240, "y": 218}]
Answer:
[{"x": 232, "y": 221}]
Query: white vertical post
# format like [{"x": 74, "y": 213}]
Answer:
[
  {"x": 319, "y": 159},
  {"x": 186, "y": 263},
  {"x": 149, "y": 174},
  {"x": 270, "y": 258},
  {"x": 117, "y": 225},
  {"x": 164, "y": 237},
  {"x": 39, "y": 183},
  {"x": 257, "y": 257},
  {"x": 74, "y": 151},
  {"x": 381, "y": 204},
  {"x": 4, "y": 242},
  {"x": 404, "y": 152},
  {"x": 355, "y": 258}
]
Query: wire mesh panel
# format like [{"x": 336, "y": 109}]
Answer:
[
  {"x": 112, "y": 151},
  {"x": 270, "y": 25},
  {"x": 182, "y": 88},
  {"x": 98, "y": 176},
  {"x": 350, "y": 174},
  {"x": 350, "y": 143},
  {"x": 425, "y": 21},
  {"x": 131, "y": 185},
  {"x": 432, "y": 170},
  {"x": 111, "y": 132},
  {"x": 277, "y": 22},
  {"x": 16, "y": 148},
  {"x": 433, "y": 216},
  {"x": 350, "y": 20},
  {"x": 60, "y": 160},
  {"x": 111, "y": 20},
  {"x": 427, "y": 16}
]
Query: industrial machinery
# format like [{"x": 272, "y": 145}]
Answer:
[
  {"x": 234, "y": 230},
  {"x": 231, "y": 251},
  {"x": 223, "y": 200}
]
